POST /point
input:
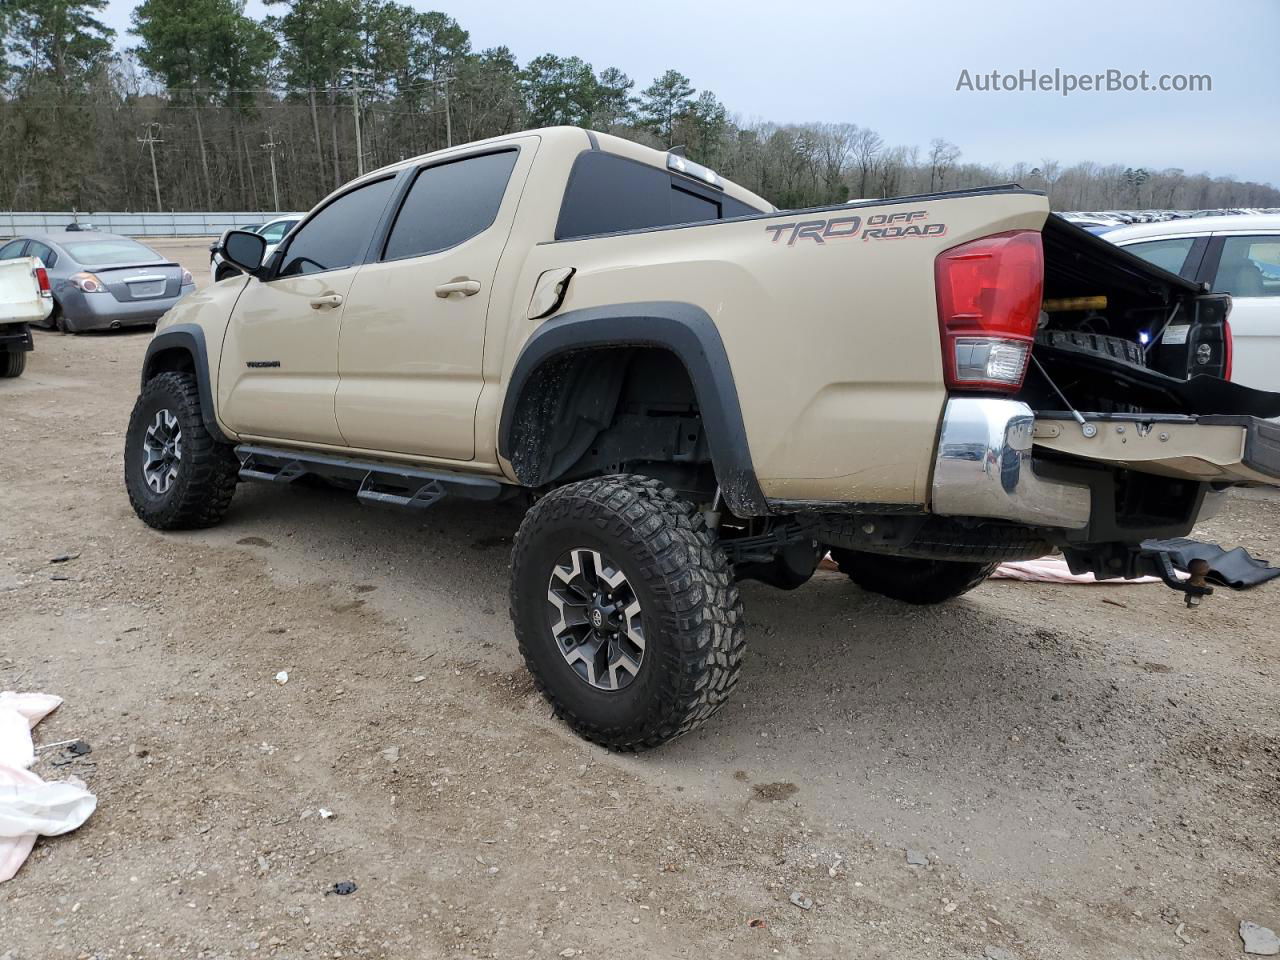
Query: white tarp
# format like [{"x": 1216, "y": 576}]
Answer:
[{"x": 29, "y": 806}]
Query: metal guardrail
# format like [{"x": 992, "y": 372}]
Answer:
[{"x": 174, "y": 224}]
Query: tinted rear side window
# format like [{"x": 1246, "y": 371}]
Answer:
[
  {"x": 450, "y": 203},
  {"x": 608, "y": 193},
  {"x": 44, "y": 252},
  {"x": 1250, "y": 267},
  {"x": 338, "y": 235}
]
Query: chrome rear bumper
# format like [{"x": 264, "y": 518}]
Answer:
[{"x": 984, "y": 468}]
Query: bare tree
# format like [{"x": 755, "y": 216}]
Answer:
[
  {"x": 942, "y": 157},
  {"x": 867, "y": 147}
]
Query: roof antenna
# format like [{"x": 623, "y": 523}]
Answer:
[{"x": 678, "y": 150}]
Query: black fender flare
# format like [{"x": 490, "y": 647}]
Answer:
[
  {"x": 189, "y": 338},
  {"x": 687, "y": 332}
]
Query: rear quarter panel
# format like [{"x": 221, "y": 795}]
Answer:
[{"x": 829, "y": 320}]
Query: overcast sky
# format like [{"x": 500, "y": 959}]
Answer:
[{"x": 894, "y": 66}]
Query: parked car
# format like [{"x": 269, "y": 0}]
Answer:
[
  {"x": 102, "y": 281},
  {"x": 1237, "y": 254},
  {"x": 25, "y": 298},
  {"x": 273, "y": 232},
  {"x": 691, "y": 387},
  {"x": 1094, "y": 225}
]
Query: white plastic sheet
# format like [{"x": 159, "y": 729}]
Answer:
[
  {"x": 1055, "y": 570},
  {"x": 29, "y": 806}
]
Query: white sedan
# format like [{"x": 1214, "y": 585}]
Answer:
[
  {"x": 273, "y": 232},
  {"x": 1239, "y": 255}
]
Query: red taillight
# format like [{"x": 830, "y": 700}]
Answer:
[
  {"x": 1228, "y": 349},
  {"x": 989, "y": 293},
  {"x": 42, "y": 280}
]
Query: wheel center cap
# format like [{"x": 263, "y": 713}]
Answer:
[{"x": 597, "y": 618}]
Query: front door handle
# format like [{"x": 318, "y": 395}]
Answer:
[
  {"x": 468, "y": 288},
  {"x": 328, "y": 300}
]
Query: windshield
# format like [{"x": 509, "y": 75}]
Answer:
[{"x": 105, "y": 252}]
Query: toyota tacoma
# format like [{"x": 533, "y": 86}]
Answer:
[{"x": 689, "y": 387}]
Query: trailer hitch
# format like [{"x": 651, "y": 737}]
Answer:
[{"x": 1194, "y": 588}]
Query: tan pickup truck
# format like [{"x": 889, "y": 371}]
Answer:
[{"x": 691, "y": 387}]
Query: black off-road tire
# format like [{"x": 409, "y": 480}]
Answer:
[
  {"x": 690, "y": 609},
  {"x": 13, "y": 363},
  {"x": 207, "y": 472},
  {"x": 910, "y": 579}
]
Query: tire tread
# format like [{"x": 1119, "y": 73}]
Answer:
[
  {"x": 205, "y": 494},
  {"x": 693, "y": 580}
]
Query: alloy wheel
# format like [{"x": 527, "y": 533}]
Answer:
[
  {"x": 162, "y": 451},
  {"x": 594, "y": 616}
]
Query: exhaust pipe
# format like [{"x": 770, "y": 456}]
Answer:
[{"x": 115, "y": 324}]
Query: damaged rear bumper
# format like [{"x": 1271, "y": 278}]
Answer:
[
  {"x": 984, "y": 468},
  {"x": 1216, "y": 448}
]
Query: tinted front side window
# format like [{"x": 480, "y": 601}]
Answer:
[
  {"x": 608, "y": 193},
  {"x": 11, "y": 249},
  {"x": 450, "y": 203},
  {"x": 1250, "y": 267},
  {"x": 1166, "y": 254},
  {"x": 338, "y": 235}
]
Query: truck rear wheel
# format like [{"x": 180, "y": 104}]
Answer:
[
  {"x": 911, "y": 579},
  {"x": 179, "y": 477},
  {"x": 625, "y": 610},
  {"x": 13, "y": 363}
]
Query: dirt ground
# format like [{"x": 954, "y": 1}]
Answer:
[{"x": 1090, "y": 771}]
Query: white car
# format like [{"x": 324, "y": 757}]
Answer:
[
  {"x": 1239, "y": 255},
  {"x": 273, "y": 231}
]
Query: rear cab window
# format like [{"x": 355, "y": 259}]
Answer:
[{"x": 608, "y": 193}]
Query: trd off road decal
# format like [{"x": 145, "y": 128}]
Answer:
[{"x": 879, "y": 226}]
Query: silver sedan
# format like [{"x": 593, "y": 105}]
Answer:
[{"x": 102, "y": 281}]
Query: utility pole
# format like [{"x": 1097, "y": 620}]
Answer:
[
  {"x": 270, "y": 147},
  {"x": 448, "y": 120},
  {"x": 355, "y": 102},
  {"x": 151, "y": 141}
]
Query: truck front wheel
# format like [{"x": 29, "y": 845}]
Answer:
[
  {"x": 625, "y": 610},
  {"x": 910, "y": 579},
  {"x": 179, "y": 477}
]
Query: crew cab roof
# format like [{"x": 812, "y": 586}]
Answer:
[{"x": 589, "y": 140}]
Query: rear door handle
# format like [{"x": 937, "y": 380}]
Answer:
[
  {"x": 468, "y": 288},
  {"x": 328, "y": 300}
]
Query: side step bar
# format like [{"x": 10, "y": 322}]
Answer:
[{"x": 390, "y": 484}]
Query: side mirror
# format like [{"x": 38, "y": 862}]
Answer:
[{"x": 244, "y": 250}]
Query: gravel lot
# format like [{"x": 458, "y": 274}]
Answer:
[{"x": 1089, "y": 771}]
